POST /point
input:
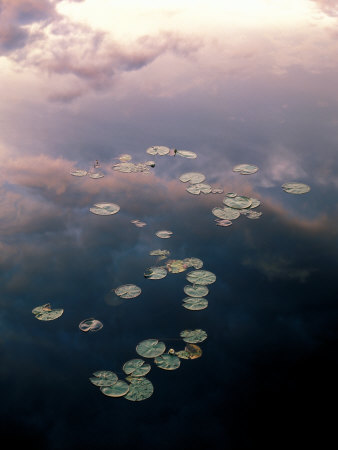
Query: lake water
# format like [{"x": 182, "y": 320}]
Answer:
[{"x": 267, "y": 376}]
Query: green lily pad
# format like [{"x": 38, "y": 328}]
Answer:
[
  {"x": 150, "y": 348},
  {"x": 46, "y": 313},
  {"x": 193, "y": 262},
  {"x": 136, "y": 368},
  {"x": 196, "y": 290},
  {"x": 42, "y": 308},
  {"x": 183, "y": 354},
  {"x": 195, "y": 303},
  {"x": 128, "y": 291},
  {"x": 239, "y": 202},
  {"x": 193, "y": 336},
  {"x": 225, "y": 213},
  {"x": 139, "y": 389},
  {"x": 167, "y": 361},
  {"x": 90, "y": 325},
  {"x": 223, "y": 222},
  {"x": 158, "y": 150},
  {"x": 192, "y": 177},
  {"x": 203, "y": 277},
  {"x": 164, "y": 234},
  {"x": 245, "y": 169},
  {"x": 176, "y": 266},
  {"x": 78, "y": 173},
  {"x": 254, "y": 203},
  {"x": 187, "y": 154},
  {"x": 103, "y": 378},
  {"x": 155, "y": 273},
  {"x": 119, "y": 389},
  {"x": 296, "y": 188},
  {"x": 199, "y": 188},
  {"x": 105, "y": 209}
]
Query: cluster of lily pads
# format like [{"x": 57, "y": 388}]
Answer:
[
  {"x": 234, "y": 206},
  {"x": 135, "y": 387},
  {"x": 197, "y": 185}
]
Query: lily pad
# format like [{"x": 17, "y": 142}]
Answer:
[
  {"x": 164, "y": 234},
  {"x": 96, "y": 175},
  {"x": 128, "y": 291},
  {"x": 176, "y": 265},
  {"x": 78, "y": 173},
  {"x": 199, "y": 188},
  {"x": 245, "y": 169},
  {"x": 192, "y": 177},
  {"x": 182, "y": 354},
  {"x": 136, "y": 367},
  {"x": 158, "y": 150},
  {"x": 150, "y": 348},
  {"x": 46, "y": 313},
  {"x": 225, "y": 213},
  {"x": 217, "y": 191},
  {"x": 223, "y": 222},
  {"x": 159, "y": 252},
  {"x": 119, "y": 389},
  {"x": 239, "y": 202},
  {"x": 193, "y": 336},
  {"x": 202, "y": 277},
  {"x": 187, "y": 154},
  {"x": 193, "y": 350},
  {"x": 104, "y": 378},
  {"x": 167, "y": 361},
  {"x": 138, "y": 223},
  {"x": 139, "y": 389},
  {"x": 193, "y": 262},
  {"x": 155, "y": 273},
  {"x": 231, "y": 194},
  {"x": 90, "y": 325},
  {"x": 254, "y": 203},
  {"x": 296, "y": 188},
  {"x": 105, "y": 209},
  {"x": 196, "y": 290},
  {"x": 253, "y": 214},
  {"x": 125, "y": 157},
  {"x": 195, "y": 303}
]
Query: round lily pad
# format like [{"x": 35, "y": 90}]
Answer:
[
  {"x": 167, "y": 361},
  {"x": 225, "y": 213},
  {"x": 253, "y": 214},
  {"x": 176, "y": 266},
  {"x": 193, "y": 262},
  {"x": 96, "y": 175},
  {"x": 239, "y": 202},
  {"x": 42, "y": 308},
  {"x": 78, "y": 173},
  {"x": 231, "y": 194},
  {"x": 125, "y": 157},
  {"x": 182, "y": 354},
  {"x": 128, "y": 291},
  {"x": 164, "y": 234},
  {"x": 193, "y": 350},
  {"x": 136, "y": 367},
  {"x": 245, "y": 169},
  {"x": 254, "y": 203},
  {"x": 296, "y": 188},
  {"x": 158, "y": 150},
  {"x": 199, "y": 188},
  {"x": 119, "y": 389},
  {"x": 187, "y": 154},
  {"x": 195, "y": 303},
  {"x": 196, "y": 290},
  {"x": 139, "y": 389},
  {"x": 46, "y": 313},
  {"x": 138, "y": 223},
  {"x": 223, "y": 222},
  {"x": 192, "y": 177},
  {"x": 155, "y": 273},
  {"x": 105, "y": 209},
  {"x": 150, "y": 348},
  {"x": 104, "y": 378},
  {"x": 90, "y": 325},
  {"x": 193, "y": 336},
  {"x": 201, "y": 277}
]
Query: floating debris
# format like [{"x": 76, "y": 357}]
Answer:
[
  {"x": 193, "y": 336},
  {"x": 136, "y": 367},
  {"x": 296, "y": 188},
  {"x": 196, "y": 290},
  {"x": 164, "y": 234},
  {"x": 128, "y": 291},
  {"x": 138, "y": 223},
  {"x": 104, "y": 378},
  {"x": 167, "y": 361},
  {"x": 186, "y": 154},
  {"x": 199, "y": 188},
  {"x": 78, "y": 173},
  {"x": 139, "y": 389},
  {"x": 202, "y": 277},
  {"x": 90, "y": 325},
  {"x": 155, "y": 273},
  {"x": 118, "y": 389},
  {"x": 46, "y": 313},
  {"x": 192, "y": 177},
  {"x": 245, "y": 169},
  {"x": 105, "y": 209},
  {"x": 195, "y": 303},
  {"x": 150, "y": 348}
]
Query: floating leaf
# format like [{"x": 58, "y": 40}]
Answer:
[
  {"x": 78, "y": 173},
  {"x": 138, "y": 223},
  {"x": 136, "y": 367},
  {"x": 90, "y": 325},
  {"x": 195, "y": 303},
  {"x": 159, "y": 253},
  {"x": 254, "y": 203},
  {"x": 167, "y": 361},
  {"x": 223, "y": 222},
  {"x": 239, "y": 202},
  {"x": 164, "y": 234},
  {"x": 42, "y": 308},
  {"x": 196, "y": 290},
  {"x": 104, "y": 378},
  {"x": 253, "y": 215},
  {"x": 139, "y": 389},
  {"x": 125, "y": 157},
  {"x": 193, "y": 262},
  {"x": 225, "y": 213},
  {"x": 128, "y": 291},
  {"x": 296, "y": 188},
  {"x": 193, "y": 350},
  {"x": 96, "y": 175},
  {"x": 150, "y": 348},
  {"x": 231, "y": 194},
  {"x": 201, "y": 277},
  {"x": 155, "y": 273},
  {"x": 187, "y": 154},
  {"x": 46, "y": 313},
  {"x": 192, "y": 177},
  {"x": 199, "y": 188},
  {"x": 105, "y": 209},
  {"x": 183, "y": 354},
  {"x": 158, "y": 150},
  {"x": 217, "y": 191},
  {"x": 176, "y": 266},
  {"x": 119, "y": 389},
  {"x": 193, "y": 336},
  {"x": 245, "y": 169}
]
